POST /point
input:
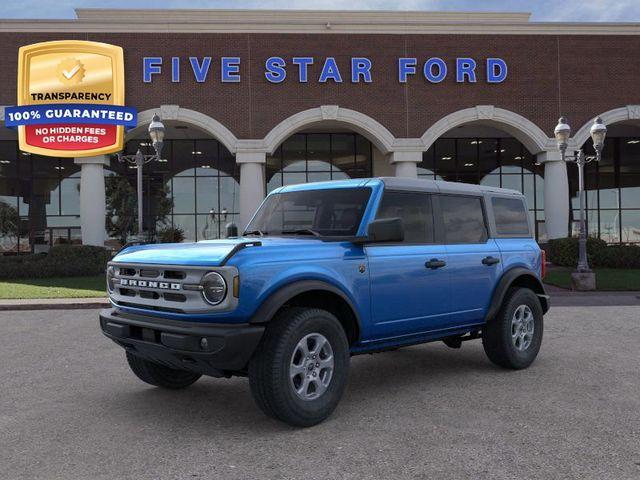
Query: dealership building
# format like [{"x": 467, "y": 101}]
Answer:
[{"x": 253, "y": 100}]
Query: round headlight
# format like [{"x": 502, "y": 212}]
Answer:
[
  {"x": 214, "y": 288},
  {"x": 111, "y": 272}
]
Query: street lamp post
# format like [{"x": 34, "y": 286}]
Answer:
[
  {"x": 156, "y": 133},
  {"x": 598, "y": 132}
]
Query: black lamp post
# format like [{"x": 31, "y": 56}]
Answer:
[
  {"x": 562, "y": 133},
  {"x": 156, "y": 133}
]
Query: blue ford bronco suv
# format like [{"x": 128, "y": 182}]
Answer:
[{"x": 329, "y": 270}]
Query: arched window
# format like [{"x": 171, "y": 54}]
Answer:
[
  {"x": 315, "y": 157},
  {"x": 612, "y": 188},
  {"x": 198, "y": 179},
  {"x": 498, "y": 162}
]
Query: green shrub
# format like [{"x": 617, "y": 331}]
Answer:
[
  {"x": 564, "y": 252},
  {"x": 61, "y": 261},
  {"x": 618, "y": 256},
  {"x": 171, "y": 235}
]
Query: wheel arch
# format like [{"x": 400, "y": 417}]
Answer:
[
  {"x": 316, "y": 294},
  {"x": 517, "y": 277}
]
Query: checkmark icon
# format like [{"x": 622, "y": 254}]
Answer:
[{"x": 71, "y": 73}]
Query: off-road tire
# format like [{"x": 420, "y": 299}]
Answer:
[
  {"x": 269, "y": 374},
  {"x": 497, "y": 334},
  {"x": 159, "y": 375}
]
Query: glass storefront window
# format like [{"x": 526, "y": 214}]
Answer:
[
  {"x": 193, "y": 188},
  {"x": 612, "y": 190},
  {"x": 183, "y": 195},
  {"x": 512, "y": 181},
  {"x": 188, "y": 225},
  {"x": 495, "y": 162},
  {"x": 445, "y": 158},
  {"x": 70, "y": 196},
  {"x": 630, "y": 191},
  {"x": 319, "y": 152},
  {"x": 316, "y": 157},
  {"x": 630, "y": 224}
]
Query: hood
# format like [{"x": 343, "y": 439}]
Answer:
[{"x": 207, "y": 253}]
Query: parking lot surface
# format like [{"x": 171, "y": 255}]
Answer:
[{"x": 71, "y": 409}]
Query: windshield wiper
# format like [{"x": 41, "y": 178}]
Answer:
[
  {"x": 254, "y": 232},
  {"x": 301, "y": 231}
]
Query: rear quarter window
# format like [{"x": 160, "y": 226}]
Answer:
[
  {"x": 511, "y": 217},
  {"x": 463, "y": 219}
]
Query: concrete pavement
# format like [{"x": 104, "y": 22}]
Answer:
[{"x": 71, "y": 409}]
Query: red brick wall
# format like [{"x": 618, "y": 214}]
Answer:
[{"x": 578, "y": 76}]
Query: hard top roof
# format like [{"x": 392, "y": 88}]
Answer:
[{"x": 402, "y": 183}]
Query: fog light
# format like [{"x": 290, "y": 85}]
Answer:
[{"x": 204, "y": 344}]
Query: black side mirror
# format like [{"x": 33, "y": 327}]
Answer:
[
  {"x": 385, "y": 230},
  {"x": 232, "y": 230}
]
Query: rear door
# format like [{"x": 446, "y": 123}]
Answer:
[
  {"x": 408, "y": 295},
  {"x": 474, "y": 260}
]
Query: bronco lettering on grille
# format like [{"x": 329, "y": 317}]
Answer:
[{"x": 129, "y": 282}]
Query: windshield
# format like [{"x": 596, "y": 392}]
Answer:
[{"x": 326, "y": 212}]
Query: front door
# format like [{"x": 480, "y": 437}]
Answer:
[{"x": 409, "y": 280}]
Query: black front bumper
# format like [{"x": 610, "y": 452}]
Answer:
[{"x": 209, "y": 349}]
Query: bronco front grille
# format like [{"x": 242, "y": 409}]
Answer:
[{"x": 162, "y": 288}]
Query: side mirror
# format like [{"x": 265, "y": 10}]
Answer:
[
  {"x": 385, "y": 230},
  {"x": 232, "y": 230}
]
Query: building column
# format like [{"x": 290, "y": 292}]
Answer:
[
  {"x": 93, "y": 208},
  {"x": 406, "y": 163},
  {"x": 556, "y": 194},
  {"x": 252, "y": 184}
]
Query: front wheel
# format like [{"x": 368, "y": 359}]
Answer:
[
  {"x": 159, "y": 375},
  {"x": 512, "y": 339},
  {"x": 299, "y": 371}
]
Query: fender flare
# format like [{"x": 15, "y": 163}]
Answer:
[
  {"x": 505, "y": 283},
  {"x": 276, "y": 300}
]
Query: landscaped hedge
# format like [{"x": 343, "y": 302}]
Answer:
[
  {"x": 564, "y": 252},
  {"x": 61, "y": 261}
]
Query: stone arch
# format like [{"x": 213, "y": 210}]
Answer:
[
  {"x": 622, "y": 114},
  {"x": 382, "y": 138},
  {"x": 200, "y": 120},
  {"x": 527, "y": 132}
]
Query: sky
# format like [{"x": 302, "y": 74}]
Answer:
[{"x": 542, "y": 10}]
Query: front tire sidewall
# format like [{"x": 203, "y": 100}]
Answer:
[
  {"x": 330, "y": 398},
  {"x": 270, "y": 367}
]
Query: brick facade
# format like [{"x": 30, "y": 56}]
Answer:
[{"x": 575, "y": 75}]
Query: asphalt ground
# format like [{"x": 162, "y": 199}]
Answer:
[{"x": 71, "y": 409}]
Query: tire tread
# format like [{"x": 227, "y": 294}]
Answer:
[{"x": 159, "y": 375}]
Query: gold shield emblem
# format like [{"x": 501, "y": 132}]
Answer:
[{"x": 71, "y": 72}]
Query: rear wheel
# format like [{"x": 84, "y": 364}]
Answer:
[
  {"x": 512, "y": 339},
  {"x": 299, "y": 371},
  {"x": 159, "y": 375}
]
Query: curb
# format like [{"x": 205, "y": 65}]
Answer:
[{"x": 53, "y": 304}]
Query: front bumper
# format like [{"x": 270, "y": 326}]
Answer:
[{"x": 180, "y": 345}]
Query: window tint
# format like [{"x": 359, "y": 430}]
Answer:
[
  {"x": 511, "y": 216},
  {"x": 415, "y": 211},
  {"x": 463, "y": 219}
]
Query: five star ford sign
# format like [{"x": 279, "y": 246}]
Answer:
[{"x": 71, "y": 99}]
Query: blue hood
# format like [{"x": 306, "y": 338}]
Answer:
[{"x": 208, "y": 253}]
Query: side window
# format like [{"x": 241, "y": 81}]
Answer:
[
  {"x": 415, "y": 211},
  {"x": 463, "y": 219},
  {"x": 511, "y": 217}
]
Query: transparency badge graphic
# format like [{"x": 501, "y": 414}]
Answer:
[{"x": 70, "y": 99}]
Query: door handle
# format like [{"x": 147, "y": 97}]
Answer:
[
  {"x": 435, "y": 263},
  {"x": 490, "y": 260}
]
